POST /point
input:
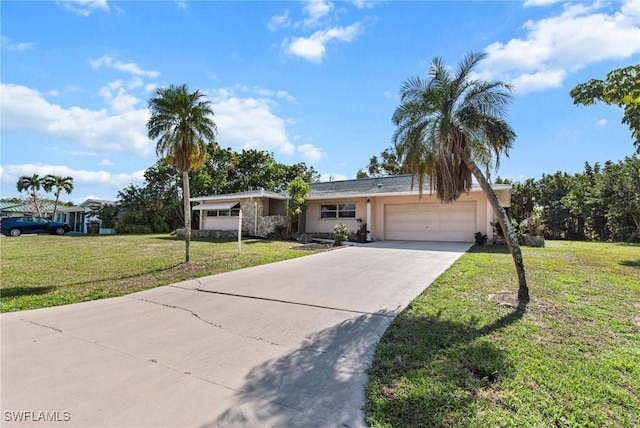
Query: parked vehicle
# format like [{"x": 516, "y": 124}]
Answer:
[{"x": 15, "y": 226}]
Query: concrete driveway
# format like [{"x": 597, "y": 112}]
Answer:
[{"x": 281, "y": 345}]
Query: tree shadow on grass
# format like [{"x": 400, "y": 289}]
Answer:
[
  {"x": 24, "y": 291},
  {"x": 319, "y": 384},
  {"x": 631, "y": 263},
  {"x": 490, "y": 249},
  {"x": 433, "y": 372}
]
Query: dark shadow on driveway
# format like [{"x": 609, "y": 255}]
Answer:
[{"x": 321, "y": 384}]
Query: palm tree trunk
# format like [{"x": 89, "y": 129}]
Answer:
[
  {"x": 35, "y": 204},
  {"x": 507, "y": 230},
  {"x": 187, "y": 213},
  {"x": 55, "y": 207}
]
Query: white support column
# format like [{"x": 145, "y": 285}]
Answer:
[
  {"x": 369, "y": 225},
  {"x": 489, "y": 221}
]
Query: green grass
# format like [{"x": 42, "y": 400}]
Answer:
[
  {"x": 40, "y": 271},
  {"x": 571, "y": 359}
]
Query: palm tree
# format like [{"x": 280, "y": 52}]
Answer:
[
  {"x": 60, "y": 183},
  {"x": 31, "y": 184},
  {"x": 449, "y": 124},
  {"x": 181, "y": 121}
]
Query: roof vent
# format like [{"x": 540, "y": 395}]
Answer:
[{"x": 379, "y": 185}]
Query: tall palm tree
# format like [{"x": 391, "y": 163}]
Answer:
[
  {"x": 181, "y": 121},
  {"x": 60, "y": 183},
  {"x": 31, "y": 184},
  {"x": 449, "y": 124}
]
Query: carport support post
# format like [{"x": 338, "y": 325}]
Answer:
[{"x": 239, "y": 231}]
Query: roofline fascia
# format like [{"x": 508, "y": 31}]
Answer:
[{"x": 344, "y": 195}]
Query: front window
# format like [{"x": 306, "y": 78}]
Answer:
[
  {"x": 233, "y": 212},
  {"x": 338, "y": 210}
]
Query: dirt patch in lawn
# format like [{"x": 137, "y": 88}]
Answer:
[{"x": 510, "y": 300}]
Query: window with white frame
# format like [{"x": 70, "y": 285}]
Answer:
[
  {"x": 338, "y": 210},
  {"x": 232, "y": 212}
]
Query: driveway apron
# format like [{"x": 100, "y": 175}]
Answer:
[{"x": 281, "y": 345}]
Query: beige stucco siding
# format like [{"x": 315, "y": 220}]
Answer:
[
  {"x": 376, "y": 220},
  {"x": 315, "y": 224}
]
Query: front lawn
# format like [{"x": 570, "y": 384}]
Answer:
[
  {"x": 41, "y": 270},
  {"x": 455, "y": 358}
]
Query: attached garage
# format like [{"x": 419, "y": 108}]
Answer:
[
  {"x": 392, "y": 208},
  {"x": 454, "y": 222}
]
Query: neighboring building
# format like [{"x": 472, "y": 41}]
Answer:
[
  {"x": 262, "y": 213},
  {"x": 78, "y": 216},
  {"x": 13, "y": 208},
  {"x": 393, "y": 210},
  {"x": 390, "y": 207}
]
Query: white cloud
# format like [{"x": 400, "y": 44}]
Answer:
[
  {"x": 126, "y": 67},
  {"x": 9, "y": 45},
  {"x": 601, "y": 122},
  {"x": 249, "y": 123},
  {"x": 106, "y": 162},
  {"x": 182, "y": 4},
  {"x": 310, "y": 153},
  {"x": 122, "y": 130},
  {"x": 84, "y": 7},
  {"x": 10, "y": 174},
  {"x": 315, "y": 10},
  {"x": 279, "y": 21},
  {"x": 534, "y": 3},
  {"x": 556, "y": 46},
  {"x": 313, "y": 49},
  {"x": 364, "y": 4}
]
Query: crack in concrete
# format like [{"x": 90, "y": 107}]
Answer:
[
  {"x": 41, "y": 325},
  {"x": 218, "y": 326},
  {"x": 388, "y": 314}
]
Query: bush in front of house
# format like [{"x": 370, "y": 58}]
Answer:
[{"x": 340, "y": 233}]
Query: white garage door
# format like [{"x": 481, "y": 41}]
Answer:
[{"x": 454, "y": 222}]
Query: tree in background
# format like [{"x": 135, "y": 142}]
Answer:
[
  {"x": 181, "y": 121},
  {"x": 31, "y": 184},
  {"x": 388, "y": 165},
  {"x": 446, "y": 126},
  {"x": 61, "y": 184},
  {"x": 621, "y": 87},
  {"x": 298, "y": 190}
]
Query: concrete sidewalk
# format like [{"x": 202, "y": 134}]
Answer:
[{"x": 284, "y": 345}]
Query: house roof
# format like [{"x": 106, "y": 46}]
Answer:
[
  {"x": 242, "y": 195},
  {"x": 86, "y": 204},
  {"x": 394, "y": 185},
  {"x": 216, "y": 206}
]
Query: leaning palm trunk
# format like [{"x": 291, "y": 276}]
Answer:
[
  {"x": 507, "y": 230},
  {"x": 187, "y": 213}
]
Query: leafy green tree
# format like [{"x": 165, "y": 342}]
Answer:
[
  {"x": 298, "y": 190},
  {"x": 181, "y": 122},
  {"x": 621, "y": 87},
  {"x": 553, "y": 187},
  {"x": 31, "y": 184},
  {"x": 621, "y": 193},
  {"x": 449, "y": 124},
  {"x": 61, "y": 184},
  {"x": 388, "y": 165}
]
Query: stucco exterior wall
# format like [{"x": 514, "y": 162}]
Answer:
[{"x": 375, "y": 221}]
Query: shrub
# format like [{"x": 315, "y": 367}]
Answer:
[
  {"x": 481, "y": 238},
  {"x": 340, "y": 233},
  {"x": 361, "y": 233}
]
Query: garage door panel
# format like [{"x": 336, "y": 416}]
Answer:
[{"x": 431, "y": 221}]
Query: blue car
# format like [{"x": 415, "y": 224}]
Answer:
[{"x": 16, "y": 226}]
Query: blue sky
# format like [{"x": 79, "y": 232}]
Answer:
[{"x": 313, "y": 81}]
